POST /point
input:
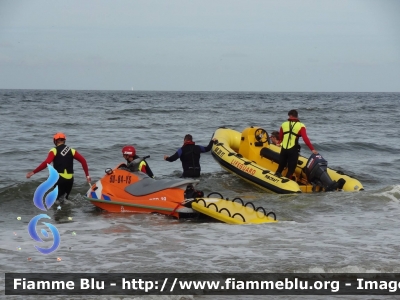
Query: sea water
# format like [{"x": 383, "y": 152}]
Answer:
[{"x": 323, "y": 232}]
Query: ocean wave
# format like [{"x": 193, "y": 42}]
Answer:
[{"x": 391, "y": 192}]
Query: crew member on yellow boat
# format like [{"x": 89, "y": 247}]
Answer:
[
  {"x": 129, "y": 153},
  {"x": 275, "y": 138},
  {"x": 62, "y": 157},
  {"x": 289, "y": 134}
]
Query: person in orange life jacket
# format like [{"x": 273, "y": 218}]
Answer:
[
  {"x": 129, "y": 153},
  {"x": 289, "y": 134},
  {"x": 62, "y": 157},
  {"x": 189, "y": 154}
]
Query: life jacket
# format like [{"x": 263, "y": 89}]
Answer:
[
  {"x": 148, "y": 170},
  {"x": 63, "y": 160},
  {"x": 137, "y": 164},
  {"x": 290, "y": 130}
]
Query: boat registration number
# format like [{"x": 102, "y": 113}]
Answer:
[{"x": 120, "y": 179}]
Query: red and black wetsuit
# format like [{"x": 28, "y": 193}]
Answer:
[
  {"x": 62, "y": 158},
  {"x": 289, "y": 134}
]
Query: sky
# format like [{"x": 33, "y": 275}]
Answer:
[{"x": 201, "y": 45}]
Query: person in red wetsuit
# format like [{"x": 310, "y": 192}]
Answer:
[
  {"x": 289, "y": 134},
  {"x": 62, "y": 157}
]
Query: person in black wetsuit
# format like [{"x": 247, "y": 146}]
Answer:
[{"x": 189, "y": 154}]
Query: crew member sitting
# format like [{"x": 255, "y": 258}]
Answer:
[
  {"x": 134, "y": 162},
  {"x": 275, "y": 138}
]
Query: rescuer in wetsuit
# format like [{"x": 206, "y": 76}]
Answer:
[
  {"x": 289, "y": 134},
  {"x": 129, "y": 153},
  {"x": 62, "y": 157},
  {"x": 189, "y": 154}
]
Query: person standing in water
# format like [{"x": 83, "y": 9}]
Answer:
[{"x": 62, "y": 157}]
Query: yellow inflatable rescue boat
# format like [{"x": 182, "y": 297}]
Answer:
[{"x": 252, "y": 157}]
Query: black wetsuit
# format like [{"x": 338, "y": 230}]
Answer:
[{"x": 189, "y": 154}]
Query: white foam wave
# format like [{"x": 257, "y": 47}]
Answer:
[{"x": 393, "y": 193}]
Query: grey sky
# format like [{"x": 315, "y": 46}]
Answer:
[{"x": 201, "y": 45}]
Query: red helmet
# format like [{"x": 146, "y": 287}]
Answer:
[{"x": 129, "y": 150}]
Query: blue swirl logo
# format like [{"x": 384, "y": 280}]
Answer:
[{"x": 49, "y": 200}]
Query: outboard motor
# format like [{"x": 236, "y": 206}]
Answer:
[{"x": 316, "y": 171}]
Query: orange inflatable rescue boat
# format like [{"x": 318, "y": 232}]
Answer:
[{"x": 127, "y": 191}]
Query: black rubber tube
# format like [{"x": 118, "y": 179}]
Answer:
[
  {"x": 251, "y": 203},
  {"x": 241, "y": 201},
  {"x": 222, "y": 209},
  {"x": 263, "y": 210},
  {"x": 212, "y": 193},
  {"x": 198, "y": 200},
  {"x": 271, "y": 213},
  {"x": 216, "y": 207},
  {"x": 238, "y": 214}
]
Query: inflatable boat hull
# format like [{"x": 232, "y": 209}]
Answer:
[{"x": 250, "y": 156}]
